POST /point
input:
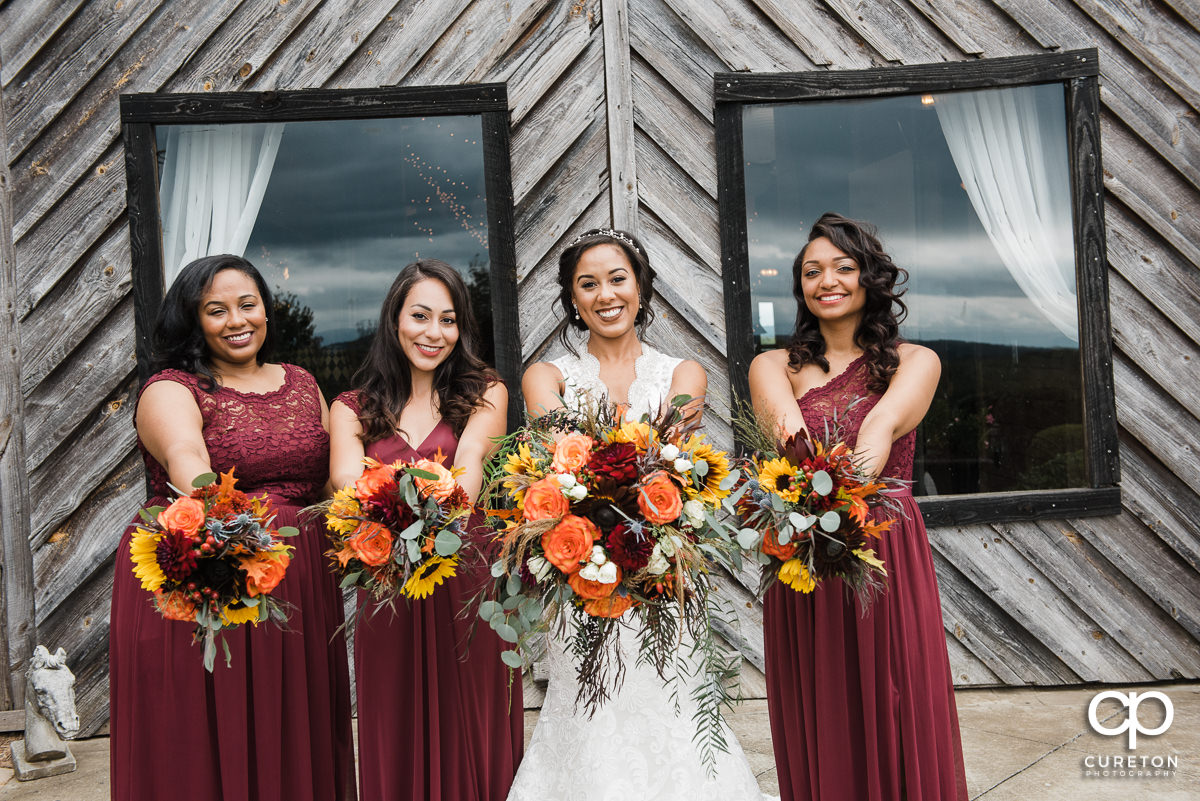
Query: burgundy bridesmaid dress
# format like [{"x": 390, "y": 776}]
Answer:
[
  {"x": 436, "y": 716},
  {"x": 862, "y": 706},
  {"x": 275, "y": 726}
]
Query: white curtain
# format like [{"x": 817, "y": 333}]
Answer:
[
  {"x": 1011, "y": 156},
  {"x": 212, "y": 188}
]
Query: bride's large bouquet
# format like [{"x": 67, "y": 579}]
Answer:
[
  {"x": 610, "y": 522},
  {"x": 212, "y": 558},
  {"x": 398, "y": 530}
]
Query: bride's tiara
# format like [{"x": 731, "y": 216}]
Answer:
[{"x": 611, "y": 233}]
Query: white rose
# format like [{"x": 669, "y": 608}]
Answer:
[
  {"x": 607, "y": 573},
  {"x": 539, "y": 567},
  {"x": 566, "y": 480},
  {"x": 598, "y": 556},
  {"x": 590, "y": 572},
  {"x": 669, "y": 452},
  {"x": 693, "y": 510},
  {"x": 576, "y": 493},
  {"x": 683, "y": 465},
  {"x": 669, "y": 545},
  {"x": 658, "y": 563}
]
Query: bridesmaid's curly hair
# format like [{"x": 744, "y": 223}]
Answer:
[
  {"x": 878, "y": 332},
  {"x": 384, "y": 381},
  {"x": 568, "y": 260}
]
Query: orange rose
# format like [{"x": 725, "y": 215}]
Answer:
[
  {"x": 572, "y": 453},
  {"x": 442, "y": 487},
  {"x": 544, "y": 500},
  {"x": 659, "y": 498},
  {"x": 569, "y": 544},
  {"x": 611, "y": 606},
  {"x": 591, "y": 590},
  {"x": 771, "y": 547},
  {"x": 174, "y": 606},
  {"x": 264, "y": 571},
  {"x": 374, "y": 480},
  {"x": 372, "y": 543},
  {"x": 186, "y": 515}
]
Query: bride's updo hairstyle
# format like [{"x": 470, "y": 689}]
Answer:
[
  {"x": 178, "y": 337},
  {"x": 384, "y": 381},
  {"x": 878, "y": 332},
  {"x": 643, "y": 273}
]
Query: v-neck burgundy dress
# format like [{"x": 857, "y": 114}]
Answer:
[
  {"x": 436, "y": 716},
  {"x": 862, "y": 706},
  {"x": 275, "y": 725}
]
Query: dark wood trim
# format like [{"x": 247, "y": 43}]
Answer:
[
  {"x": 745, "y": 87},
  {"x": 984, "y": 507},
  {"x": 1091, "y": 281},
  {"x": 502, "y": 252},
  {"x": 735, "y": 258},
  {"x": 313, "y": 104},
  {"x": 145, "y": 236}
]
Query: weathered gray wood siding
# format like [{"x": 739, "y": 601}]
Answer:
[{"x": 612, "y": 120}]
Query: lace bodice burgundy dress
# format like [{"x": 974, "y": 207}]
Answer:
[
  {"x": 862, "y": 705},
  {"x": 275, "y": 725},
  {"x": 635, "y": 747},
  {"x": 436, "y": 717}
]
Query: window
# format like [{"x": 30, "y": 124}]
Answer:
[
  {"x": 329, "y": 194},
  {"x": 983, "y": 180}
]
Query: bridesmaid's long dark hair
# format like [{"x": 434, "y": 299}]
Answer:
[
  {"x": 384, "y": 381},
  {"x": 878, "y": 332},
  {"x": 568, "y": 260},
  {"x": 178, "y": 337}
]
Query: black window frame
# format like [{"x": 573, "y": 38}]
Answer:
[
  {"x": 140, "y": 113},
  {"x": 1078, "y": 71}
]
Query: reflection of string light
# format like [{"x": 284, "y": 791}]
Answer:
[
  {"x": 446, "y": 197},
  {"x": 769, "y": 272},
  {"x": 926, "y": 100}
]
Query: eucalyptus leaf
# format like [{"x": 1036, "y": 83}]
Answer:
[
  {"x": 512, "y": 602},
  {"x": 776, "y": 502},
  {"x": 409, "y": 491},
  {"x": 498, "y": 619},
  {"x": 498, "y": 569},
  {"x": 830, "y": 521},
  {"x": 762, "y": 558},
  {"x": 210, "y": 651},
  {"x": 249, "y": 602},
  {"x": 747, "y": 538},
  {"x": 506, "y": 632},
  {"x": 512, "y": 659},
  {"x": 730, "y": 480},
  {"x": 414, "y": 551},
  {"x": 531, "y": 610},
  {"x": 447, "y": 543},
  {"x": 204, "y": 479},
  {"x": 564, "y": 593},
  {"x": 700, "y": 468},
  {"x": 287, "y": 531},
  {"x": 413, "y": 530},
  {"x": 228, "y": 656},
  {"x": 822, "y": 484},
  {"x": 785, "y": 535},
  {"x": 514, "y": 584},
  {"x": 488, "y": 609},
  {"x": 797, "y": 520}
]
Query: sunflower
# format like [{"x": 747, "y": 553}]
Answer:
[
  {"x": 778, "y": 476},
  {"x": 428, "y": 575},
  {"x": 521, "y": 463},
  {"x": 236, "y": 617},
  {"x": 639, "y": 434},
  {"x": 794, "y": 574},
  {"x": 143, "y": 552},
  {"x": 718, "y": 469}
]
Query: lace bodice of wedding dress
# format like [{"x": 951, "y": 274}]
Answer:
[{"x": 635, "y": 747}]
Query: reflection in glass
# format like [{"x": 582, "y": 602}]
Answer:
[
  {"x": 985, "y": 232},
  {"x": 344, "y": 205}
]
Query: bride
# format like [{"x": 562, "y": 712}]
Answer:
[{"x": 636, "y": 747}]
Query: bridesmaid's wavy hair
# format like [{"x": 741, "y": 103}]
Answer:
[
  {"x": 633, "y": 249},
  {"x": 878, "y": 332},
  {"x": 384, "y": 381},
  {"x": 178, "y": 337}
]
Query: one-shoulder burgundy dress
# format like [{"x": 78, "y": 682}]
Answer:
[
  {"x": 436, "y": 716},
  {"x": 862, "y": 706},
  {"x": 275, "y": 726}
]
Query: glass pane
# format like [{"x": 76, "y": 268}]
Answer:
[
  {"x": 1008, "y": 414},
  {"x": 347, "y": 203}
]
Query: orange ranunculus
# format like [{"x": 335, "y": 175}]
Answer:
[
  {"x": 771, "y": 547},
  {"x": 374, "y": 480},
  {"x": 442, "y": 487},
  {"x": 659, "y": 498},
  {"x": 610, "y": 606},
  {"x": 186, "y": 515},
  {"x": 264, "y": 571},
  {"x": 372, "y": 543},
  {"x": 591, "y": 590},
  {"x": 544, "y": 500},
  {"x": 572, "y": 453},
  {"x": 569, "y": 544},
  {"x": 174, "y": 606}
]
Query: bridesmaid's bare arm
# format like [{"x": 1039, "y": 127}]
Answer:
[
  {"x": 772, "y": 395},
  {"x": 346, "y": 449},
  {"x": 542, "y": 389},
  {"x": 689, "y": 378},
  {"x": 477, "y": 442},
  {"x": 170, "y": 425},
  {"x": 901, "y": 408}
]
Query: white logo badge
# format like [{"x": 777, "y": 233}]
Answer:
[{"x": 1131, "y": 723}]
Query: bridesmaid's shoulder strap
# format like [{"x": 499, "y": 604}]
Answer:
[{"x": 351, "y": 400}]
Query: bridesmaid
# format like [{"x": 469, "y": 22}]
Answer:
[
  {"x": 275, "y": 726},
  {"x": 861, "y": 704},
  {"x": 436, "y": 716}
]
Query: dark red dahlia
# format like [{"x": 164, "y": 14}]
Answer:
[
  {"x": 629, "y": 548},
  {"x": 616, "y": 462},
  {"x": 175, "y": 556},
  {"x": 392, "y": 512}
]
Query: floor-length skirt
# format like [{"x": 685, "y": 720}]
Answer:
[
  {"x": 862, "y": 706},
  {"x": 274, "y": 726}
]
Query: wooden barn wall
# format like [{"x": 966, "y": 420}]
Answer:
[{"x": 612, "y": 120}]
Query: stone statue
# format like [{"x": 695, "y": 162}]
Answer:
[{"x": 50, "y": 716}]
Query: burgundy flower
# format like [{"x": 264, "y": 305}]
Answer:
[
  {"x": 616, "y": 462},
  {"x": 629, "y": 547},
  {"x": 175, "y": 556},
  {"x": 391, "y": 511}
]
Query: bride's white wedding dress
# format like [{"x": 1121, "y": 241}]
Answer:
[{"x": 635, "y": 747}]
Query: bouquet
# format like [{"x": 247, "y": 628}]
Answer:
[
  {"x": 398, "y": 530},
  {"x": 212, "y": 558},
  {"x": 609, "y": 517},
  {"x": 803, "y": 507}
]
